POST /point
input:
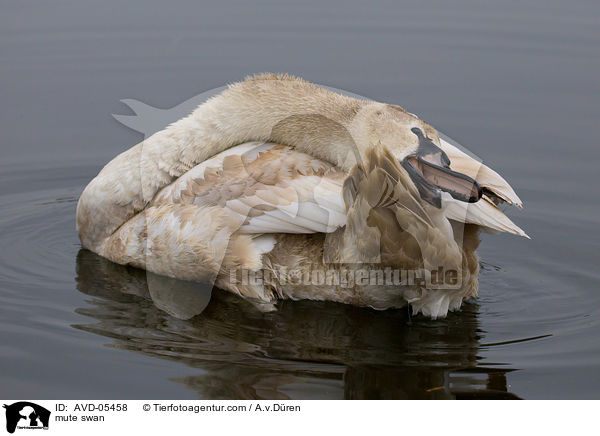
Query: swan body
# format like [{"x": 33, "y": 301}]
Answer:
[{"x": 277, "y": 176}]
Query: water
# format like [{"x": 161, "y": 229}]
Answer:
[{"x": 515, "y": 83}]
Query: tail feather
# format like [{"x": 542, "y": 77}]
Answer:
[
  {"x": 485, "y": 176},
  {"x": 483, "y": 213}
]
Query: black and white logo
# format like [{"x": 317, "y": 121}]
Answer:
[{"x": 26, "y": 415}]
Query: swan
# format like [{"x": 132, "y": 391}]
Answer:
[{"x": 279, "y": 188}]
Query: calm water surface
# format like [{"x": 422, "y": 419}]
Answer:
[{"x": 516, "y": 83}]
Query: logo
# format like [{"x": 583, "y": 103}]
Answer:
[{"x": 26, "y": 415}]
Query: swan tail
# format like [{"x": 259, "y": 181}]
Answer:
[
  {"x": 496, "y": 186},
  {"x": 484, "y": 213}
]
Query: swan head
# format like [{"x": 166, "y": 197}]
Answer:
[{"x": 417, "y": 145}]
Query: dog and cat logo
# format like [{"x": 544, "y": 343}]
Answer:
[{"x": 26, "y": 415}]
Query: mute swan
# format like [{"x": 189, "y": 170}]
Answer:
[{"x": 277, "y": 178}]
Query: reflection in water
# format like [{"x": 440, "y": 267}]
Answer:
[{"x": 304, "y": 349}]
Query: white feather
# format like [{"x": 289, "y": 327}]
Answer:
[
  {"x": 485, "y": 176},
  {"x": 483, "y": 213}
]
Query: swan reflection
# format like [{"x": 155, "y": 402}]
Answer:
[{"x": 298, "y": 350}]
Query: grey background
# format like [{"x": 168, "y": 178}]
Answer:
[{"x": 515, "y": 82}]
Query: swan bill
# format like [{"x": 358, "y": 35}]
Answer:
[{"x": 429, "y": 169}]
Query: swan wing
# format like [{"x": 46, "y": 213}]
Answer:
[
  {"x": 271, "y": 188},
  {"x": 265, "y": 188}
]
